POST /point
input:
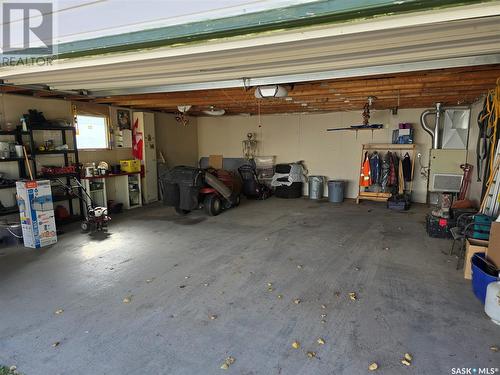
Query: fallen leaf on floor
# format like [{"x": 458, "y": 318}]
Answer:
[
  {"x": 58, "y": 311},
  {"x": 405, "y": 362},
  {"x": 296, "y": 345},
  {"x": 127, "y": 299},
  {"x": 494, "y": 348},
  {"x": 300, "y": 266},
  {"x": 280, "y": 296},
  {"x": 320, "y": 341},
  {"x": 408, "y": 357},
  {"x": 56, "y": 344},
  {"x": 213, "y": 317},
  {"x": 353, "y": 296},
  {"x": 323, "y": 306},
  {"x": 270, "y": 289},
  {"x": 373, "y": 366},
  {"x": 227, "y": 362},
  {"x": 297, "y": 301},
  {"x": 311, "y": 354}
]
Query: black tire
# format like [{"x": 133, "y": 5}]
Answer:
[
  {"x": 85, "y": 226},
  {"x": 181, "y": 212},
  {"x": 237, "y": 200},
  {"x": 213, "y": 205}
]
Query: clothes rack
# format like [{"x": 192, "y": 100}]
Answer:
[{"x": 371, "y": 147}]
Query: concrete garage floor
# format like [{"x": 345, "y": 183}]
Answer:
[{"x": 410, "y": 297}]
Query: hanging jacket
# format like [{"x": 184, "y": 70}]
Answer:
[
  {"x": 407, "y": 167},
  {"x": 375, "y": 168},
  {"x": 384, "y": 173},
  {"x": 365, "y": 178},
  {"x": 401, "y": 181},
  {"x": 393, "y": 179}
]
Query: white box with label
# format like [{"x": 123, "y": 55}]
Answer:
[{"x": 36, "y": 210}]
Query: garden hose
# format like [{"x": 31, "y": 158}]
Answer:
[{"x": 488, "y": 121}]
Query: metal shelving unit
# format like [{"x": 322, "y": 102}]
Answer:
[
  {"x": 18, "y": 135},
  {"x": 68, "y": 176}
]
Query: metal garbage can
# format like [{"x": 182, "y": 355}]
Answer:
[
  {"x": 316, "y": 187},
  {"x": 336, "y": 191}
]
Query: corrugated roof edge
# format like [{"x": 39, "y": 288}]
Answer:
[{"x": 321, "y": 12}]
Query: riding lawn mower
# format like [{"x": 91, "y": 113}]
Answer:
[{"x": 188, "y": 188}]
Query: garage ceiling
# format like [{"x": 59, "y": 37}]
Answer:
[
  {"x": 452, "y": 86},
  {"x": 458, "y": 86}
]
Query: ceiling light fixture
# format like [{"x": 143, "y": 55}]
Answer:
[
  {"x": 271, "y": 91},
  {"x": 212, "y": 111},
  {"x": 184, "y": 108}
]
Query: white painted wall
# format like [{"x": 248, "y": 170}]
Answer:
[
  {"x": 336, "y": 155},
  {"x": 177, "y": 143}
]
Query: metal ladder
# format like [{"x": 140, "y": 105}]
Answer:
[{"x": 490, "y": 204}]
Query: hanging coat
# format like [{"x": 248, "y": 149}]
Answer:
[
  {"x": 401, "y": 181},
  {"x": 384, "y": 172},
  {"x": 375, "y": 168},
  {"x": 393, "y": 179},
  {"x": 365, "y": 178},
  {"x": 407, "y": 167}
]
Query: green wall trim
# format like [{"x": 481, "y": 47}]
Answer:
[{"x": 321, "y": 12}]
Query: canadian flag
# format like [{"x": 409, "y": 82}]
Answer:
[{"x": 137, "y": 141}]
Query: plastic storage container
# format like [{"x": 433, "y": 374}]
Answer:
[
  {"x": 482, "y": 275},
  {"x": 492, "y": 303},
  {"x": 289, "y": 192},
  {"x": 316, "y": 187},
  {"x": 130, "y": 166},
  {"x": 438, "y": 227},
  {"x": 336, "y": 191}
]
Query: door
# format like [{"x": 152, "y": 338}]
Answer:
[{"x": 150, "y": 163}]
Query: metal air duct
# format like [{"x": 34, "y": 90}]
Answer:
[{"x": 433, "y": 133}]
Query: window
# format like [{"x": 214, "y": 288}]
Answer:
[{"x": 92, "y": 132}]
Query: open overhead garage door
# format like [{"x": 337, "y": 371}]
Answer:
[{"x": 462, "y": 36}]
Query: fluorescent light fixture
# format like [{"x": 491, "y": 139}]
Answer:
[{"x": 271, "y": 91}]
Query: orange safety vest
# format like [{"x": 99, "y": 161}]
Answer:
[{"x": 365, "y": 177}]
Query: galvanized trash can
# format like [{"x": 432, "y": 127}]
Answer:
[
  {"x": 316, "y": 187},
  {"x": 336, "y": 191}
]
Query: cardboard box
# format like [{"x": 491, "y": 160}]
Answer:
[
  {"x": 36, "y": 211},
  {"x": 215, "y": 161},
  {"x": 493, "y": 253},
  {"x": 472, "y": 246}
]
